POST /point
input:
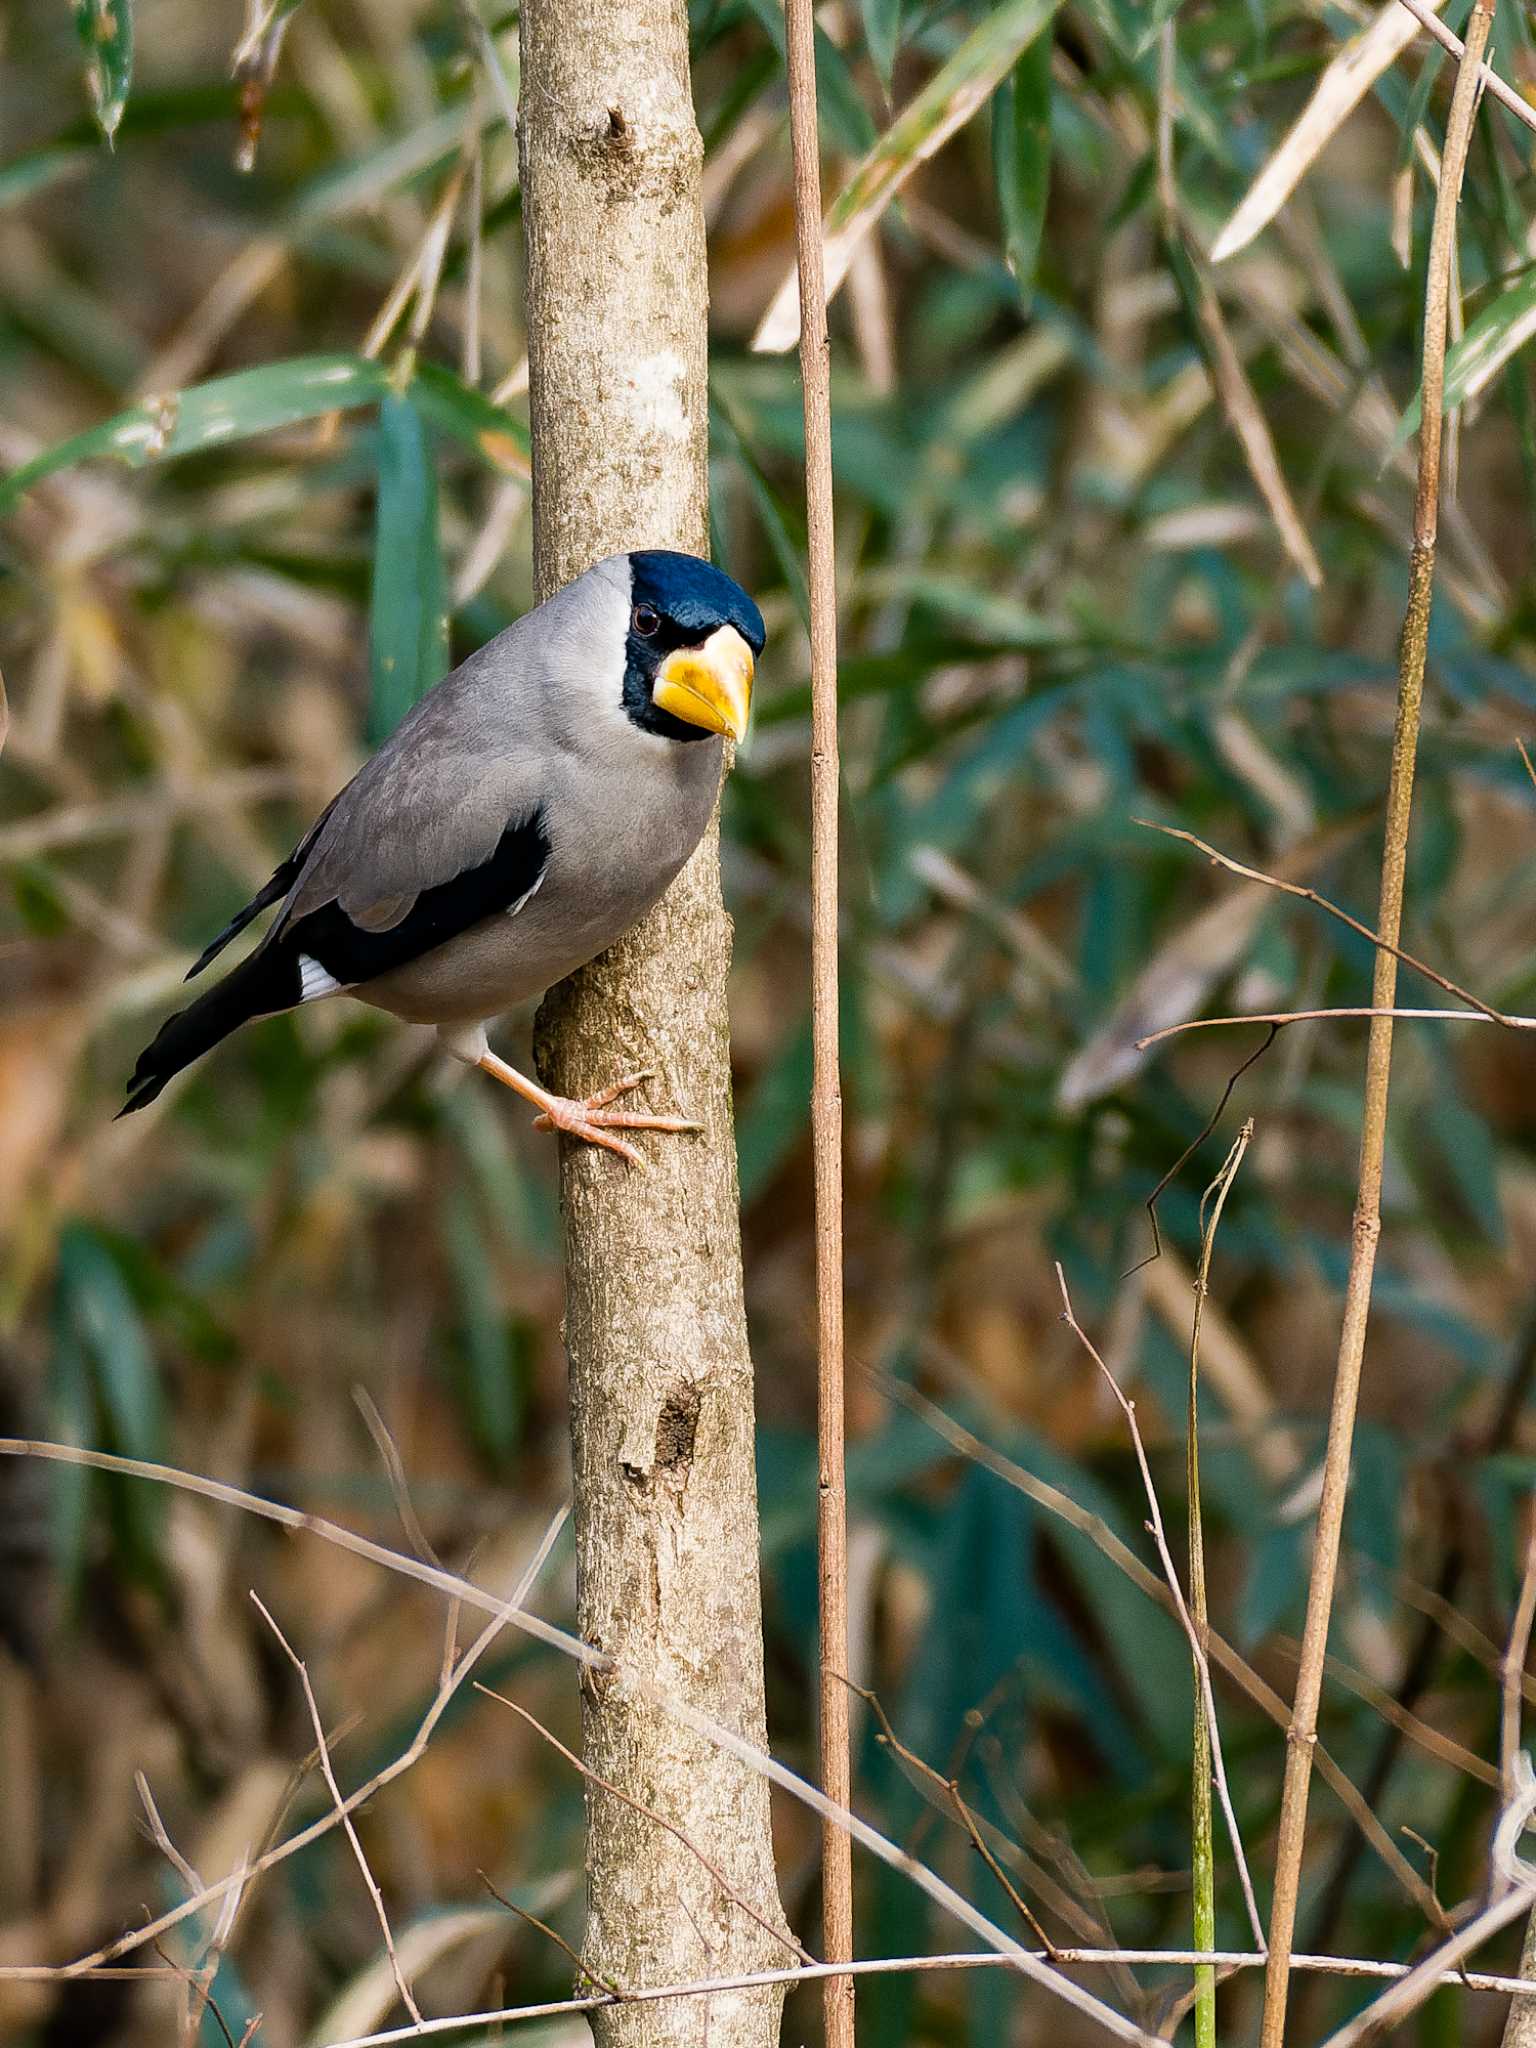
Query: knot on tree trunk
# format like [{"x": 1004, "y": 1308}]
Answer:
[{"x": 634, "y": 152}]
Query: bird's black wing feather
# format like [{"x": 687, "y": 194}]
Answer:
[
  {"x": 351, "y": 953},
  {"x": 273, "y": 890},
  {"x": 272, "y": 979}
]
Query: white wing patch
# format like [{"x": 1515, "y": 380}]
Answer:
[
  {"x": 314, "y": 980},
  {"x": 514, "y": 908}
]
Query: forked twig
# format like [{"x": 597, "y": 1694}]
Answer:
[
  {"x": 949, "y": 1789},
  {"x": 533, "y": 1920},
  {"x": 1307, "y": 895},
  {"x": 678, "y": 1835},
  {"x": 343, "y": 1813}
]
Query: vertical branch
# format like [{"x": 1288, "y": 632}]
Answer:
[
  {"x": 664, "y": 1487},
  {"x": 1366, "y": 1230},
  {"x": 1202, "y": 1830},
  {"x": 826, "y": 1084}
]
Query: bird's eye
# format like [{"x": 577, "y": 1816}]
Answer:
[{"x": 646, "y": 620}]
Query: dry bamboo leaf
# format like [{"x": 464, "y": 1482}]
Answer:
[
  {"x": 1246, "y": 418},
  {"x": 1339, "y": 91},
  {"x": 1171, "y": 987},
  {"x": 1177, "y": 979},
  {"x": 367, "y": 2001},
  {"x": 922, "y": 128}
]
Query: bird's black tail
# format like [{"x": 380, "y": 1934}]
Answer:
[{"x": 259, "y": 987}]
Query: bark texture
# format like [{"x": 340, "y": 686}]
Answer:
[{"x": 660, "y": 1371}]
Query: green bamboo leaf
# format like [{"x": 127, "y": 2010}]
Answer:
[
  {"x": 105, "y": 28},
  {"x": 1500, "y": 331},
  {"x": 407, "y": 626},
  {"x": 786, "y": 534},
  {"x": 250, "y": 402},
  {"x": 497, "y": 437},
  {"x": 106, "y": 1321},
  {"x": 490, "y": 1381},
  {"x": 921, "y": 129},
  {"x": 207, "y": 415},
  {"x": 1021, "y": 158},
  {"x": 882, "y": 32}
]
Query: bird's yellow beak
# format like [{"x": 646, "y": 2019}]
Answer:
[{"x": 709, "y": 685}]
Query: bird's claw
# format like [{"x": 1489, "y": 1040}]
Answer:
[{"x": 595, "y": 1123}]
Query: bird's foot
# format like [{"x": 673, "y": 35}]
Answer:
[{"x": 595, "y": 1122}]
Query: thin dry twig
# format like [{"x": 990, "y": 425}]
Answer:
[
  {"x": 949, "y": 1790},
  {"x": 1378, "y": 939},
  {"x": 1278, "y": 1019},
  {"x": 1493, "y": 83},
  {"x": 1513, "y": 1888},
  {"x": 1366, "y": 1229},
  {"x": 328, "y": 1771},
  {"x": 1186, "y": 1622},
  {"x": 678, "y": 1834},
  {"x": 504, "y": 1614},
  {"x": 682, "y": 1711},
  {"x": 533, "y": 1920},
  {"x": 1512, "y": 1668},
  {"x": 1149, "y": 1582},
  {"x": 885, "y": 1966},
  {"x": 826, "y": 1081}
]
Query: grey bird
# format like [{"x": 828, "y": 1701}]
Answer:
[{"x": 527, "y": 812}]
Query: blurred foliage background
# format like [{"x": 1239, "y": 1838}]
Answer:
[{"x": 1077, "y": 593}]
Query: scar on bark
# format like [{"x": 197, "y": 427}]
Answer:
[{"x": 676, "y": 1427}]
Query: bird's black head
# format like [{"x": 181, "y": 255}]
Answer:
[{"x": 693, "y": 639}]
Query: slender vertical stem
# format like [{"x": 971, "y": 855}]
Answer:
[
  {"x": 1302, "y": 1736},
  {"x": 826, "y": 1084},
  {"x": 1202, "y": 1829}
]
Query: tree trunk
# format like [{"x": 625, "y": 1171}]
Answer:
[{"x": 660, "y": 1372}]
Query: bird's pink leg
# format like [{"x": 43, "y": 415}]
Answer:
[{"x": 593, "y": 1120}]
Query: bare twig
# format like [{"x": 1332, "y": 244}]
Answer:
[
  {"x": 885, "y": 1966},
  {"x": 1366, "y": 1231},
  {"x": 678, "y": 1835},
  {"x": 826, "y": 1082},
  {"x": 1165, "y": 1557},
  {"x": 394, "y": 1470},
  {"x": 1203, "y": 1756},
  {"x": 1099, "y": 1533},
  {"x": 505, "y": 1613},
  {"x": 1383, "y": 942},
  {"x": 1278, "y": 1019},
  {"x": 1512, "y": 1671},
  {"x": 533, "y": 1920},
  {"x": 948, "y": 1789},
  {"x": 1514, "y": 1886},
  {"x": 513, "y": 1614},
  {"x": 343, "y": 1814},
  {"x": 1496, "y": 86}
]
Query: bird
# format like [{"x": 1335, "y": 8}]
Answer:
[{"x": 524, "y": 814}]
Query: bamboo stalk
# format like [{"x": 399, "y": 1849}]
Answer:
[
  {"x": 1366, "y": 1231},
  {"x": 826, "y": 1081}
]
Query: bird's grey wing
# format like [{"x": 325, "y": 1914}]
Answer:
[{"x": 444, "y": 826}]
